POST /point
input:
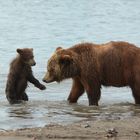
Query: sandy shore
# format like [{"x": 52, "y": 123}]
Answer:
[{"x": 126, "y": 129}]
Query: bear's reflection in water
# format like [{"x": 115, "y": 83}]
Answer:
[
  {"x": 25, "y": 115},
  {"x": 20, "y": 112}
]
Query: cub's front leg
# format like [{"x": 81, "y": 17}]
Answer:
[{"x": 36, "y": 83}]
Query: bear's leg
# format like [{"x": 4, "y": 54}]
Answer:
[
  {"x": 24, "y": 97},
  {"x": 12, "y": 99},
  {"x": 76, "y": 91},
  {"x": 136, "y": 93},
  {"x": 93, "y": 94}
]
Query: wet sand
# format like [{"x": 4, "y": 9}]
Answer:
[{"x": 125, "y": 129}]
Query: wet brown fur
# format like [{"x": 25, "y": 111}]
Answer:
[
  {"x": 19, "y": 74},
  {"x": 92, "y": 65}
]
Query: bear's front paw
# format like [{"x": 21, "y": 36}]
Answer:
[{"x": 42, "y": 87}]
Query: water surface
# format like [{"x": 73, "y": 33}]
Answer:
[{"x": 47, "y": 24}]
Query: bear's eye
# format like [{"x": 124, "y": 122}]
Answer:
[
  {"x": 31, "y": 57},
  {"x": 28, "y": 57}
]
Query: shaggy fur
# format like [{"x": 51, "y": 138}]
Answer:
[
  {"x": 92, "y": 65},
  {"x": 20, "y": 73}
]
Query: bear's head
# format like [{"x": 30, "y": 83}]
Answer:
[
  {"x": 27, "y": 56},
  {"x": 61, "y": 65}
]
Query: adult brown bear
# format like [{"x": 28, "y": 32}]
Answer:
[
  {"x": 92, "y": 65},
  {"x": 19, "y": 74}
]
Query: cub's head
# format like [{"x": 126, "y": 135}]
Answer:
[
  {"x": 27, "y": 56},
  {"x": 61, "y": 65}
]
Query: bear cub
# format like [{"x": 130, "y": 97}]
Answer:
[{"x": 20, "y": 73}]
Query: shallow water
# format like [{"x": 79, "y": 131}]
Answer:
[{"x": 45, "y": 25}]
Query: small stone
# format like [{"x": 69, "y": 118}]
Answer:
[
  {"x": 87, "y": 125},
  {"x": 136, "y": 132},
  {"x": 112, "y": 132}
]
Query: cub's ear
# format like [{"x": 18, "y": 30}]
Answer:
[
  {"x": 58, "y": 48},
  {"x": 65, "y": 59},
  {"x": 31, "y": 49},
  {"x": 19, "y": 51}
]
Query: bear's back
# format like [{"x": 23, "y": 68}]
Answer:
[{"x": 117, "y": 62}]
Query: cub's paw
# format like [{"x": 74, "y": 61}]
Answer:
[{"x": 42, "y": 87}]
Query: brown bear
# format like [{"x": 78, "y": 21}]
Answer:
[
  {"x": 92, "y": 65},
  {"x": 20, "y": 73}
]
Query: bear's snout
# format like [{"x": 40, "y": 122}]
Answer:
[
  {"x": 34, "y": 63},
  {"x": 44, "y": 80},
  {"x": 47, "y": 81},
  {"x": 48, "y": 78}
]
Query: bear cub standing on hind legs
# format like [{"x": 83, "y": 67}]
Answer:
[
  {"x": 92, "y": 65},
  {"x": 20, "y": 73}
]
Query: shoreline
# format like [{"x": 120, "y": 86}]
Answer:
[{"x": 90, "y": 129}]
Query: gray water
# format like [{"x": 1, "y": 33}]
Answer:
[{"x": 47, "y": 24}]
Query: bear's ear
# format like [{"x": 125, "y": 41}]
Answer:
[
  {"x": 65, "y": 59},
  {"x": 58, "y": 48},
  {"x": 19, "y": 51}
]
